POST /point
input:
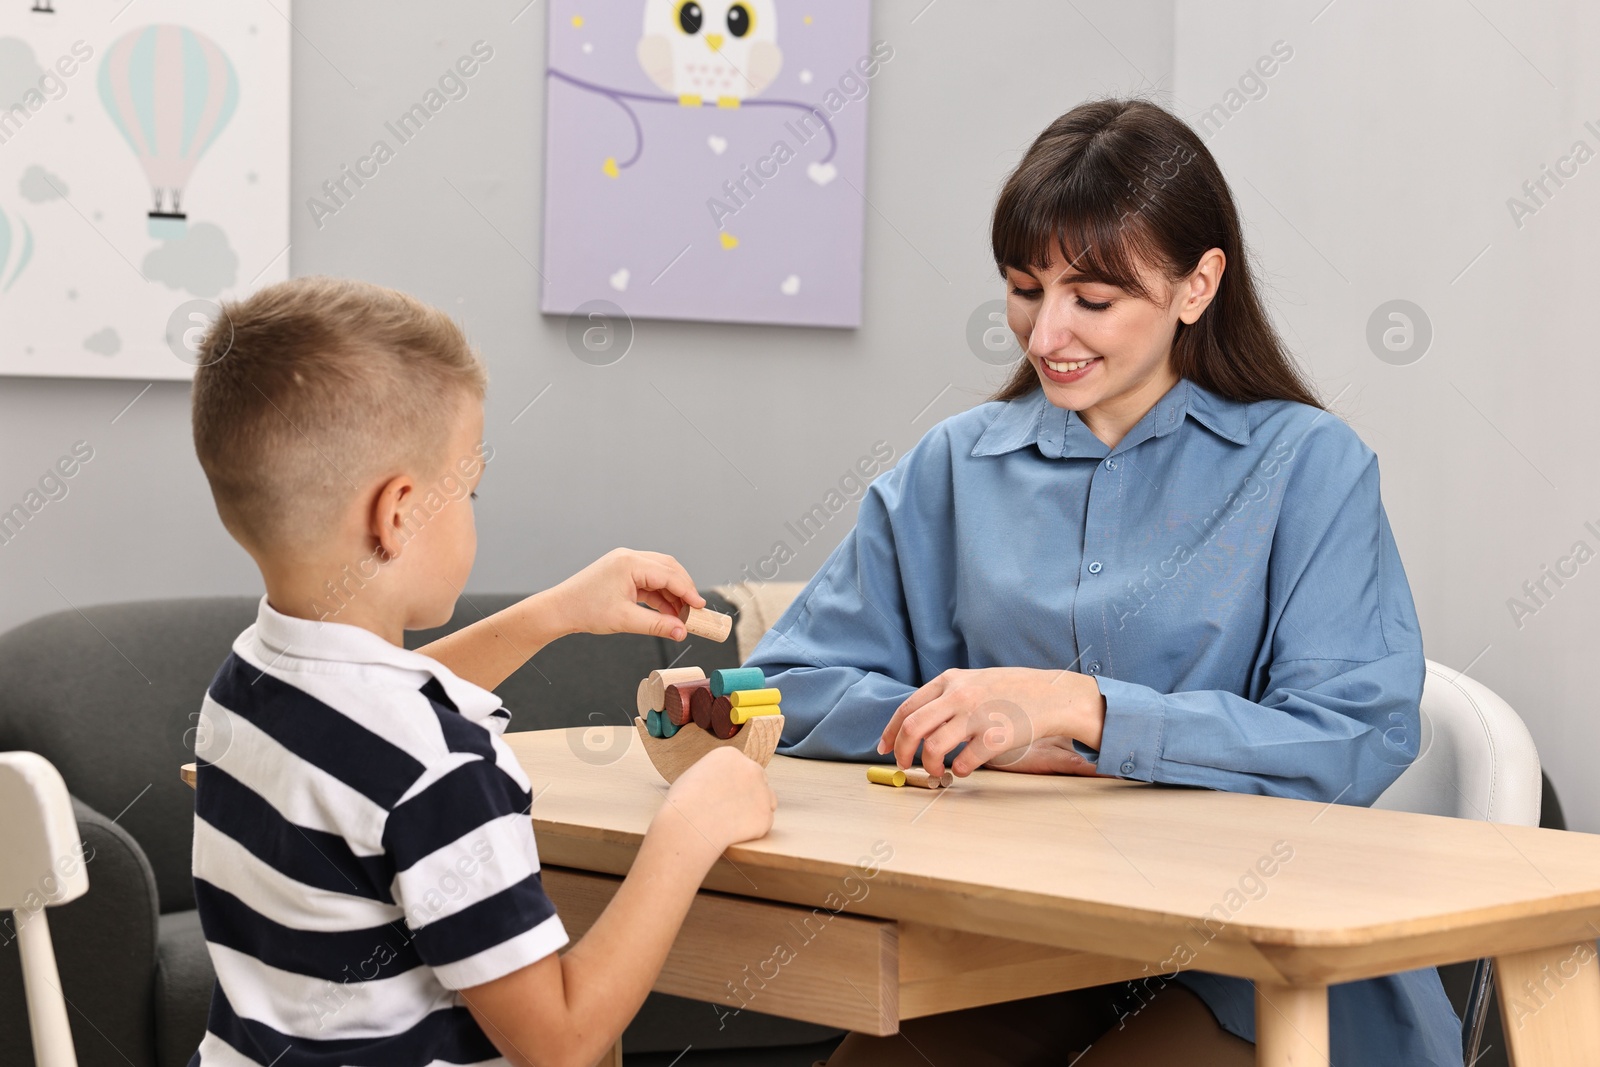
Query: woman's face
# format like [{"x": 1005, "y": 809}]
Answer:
[{"x": 1095, "y": 347}]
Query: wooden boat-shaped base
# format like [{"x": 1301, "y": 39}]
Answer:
[{"x": 676, "y": 754}]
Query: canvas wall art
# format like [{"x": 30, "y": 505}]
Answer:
[
  {"x": 706, "y": 159},
  {"x": 144, "y": 176}
]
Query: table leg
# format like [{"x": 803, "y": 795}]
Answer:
[
  {"x": 1291, "y": 1025},
  {"x": 612, "y": 1058},
  {"x": 1550, "y": 1005}
]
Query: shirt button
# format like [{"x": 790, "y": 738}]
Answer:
[
  {"x": 1094, "y": 568},
  {"x": 1111, "y": 464},
  {"x": 1127, "y": 766},
  {"x": 1094, "y": 668}
]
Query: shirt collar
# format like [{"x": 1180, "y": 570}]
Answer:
[
  {"x": 1032, "y": 420},
  {"x": 287, "y": 638}
]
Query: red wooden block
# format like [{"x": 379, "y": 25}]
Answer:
[
  {"x": 700, "y": 701},
  {"x": 722, "y": 724},
  {"x": 677, "y": 708}
]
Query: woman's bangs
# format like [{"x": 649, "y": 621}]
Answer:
[{"x": 1089, "y": 235}]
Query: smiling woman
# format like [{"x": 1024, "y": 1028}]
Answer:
[{"x": 1153, "y": 555}]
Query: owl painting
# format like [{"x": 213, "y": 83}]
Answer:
[{"x": 701, "y": 51}]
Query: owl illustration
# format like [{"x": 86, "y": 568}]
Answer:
[{"x": 711, "y": 50}]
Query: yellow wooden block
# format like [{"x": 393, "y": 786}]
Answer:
[
  {"x": 740, "y": 716},
  {"x": 886, "y": 776},
  {"x": 749, "y": 698}
]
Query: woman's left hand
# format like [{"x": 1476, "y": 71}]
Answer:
[{"x": 1011, "y": 718}]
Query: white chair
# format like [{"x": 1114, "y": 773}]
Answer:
[
  {"x": 41, "y": 865},
  {"x": 1476, "y": 760}
]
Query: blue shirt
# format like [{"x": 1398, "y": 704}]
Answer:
[{"x": 1227, "y": 575}]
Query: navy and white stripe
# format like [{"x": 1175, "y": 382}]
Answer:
[{"x": 362, "y": 850}]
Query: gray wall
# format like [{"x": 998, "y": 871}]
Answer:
[{"x": 1376, "y": 166}]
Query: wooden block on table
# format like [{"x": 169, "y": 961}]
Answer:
[
  {"x": 703, "y": 622},
  {"x": 886, "y": 776},
  {"x": 919, "y": 777}
]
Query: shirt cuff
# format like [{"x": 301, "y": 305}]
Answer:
[{"x": 1130, "y": 740}]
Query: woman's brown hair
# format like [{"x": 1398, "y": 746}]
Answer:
[{"x": 1113, "y": 184}]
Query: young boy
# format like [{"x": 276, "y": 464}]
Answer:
[{"x": 364, "y": 859}]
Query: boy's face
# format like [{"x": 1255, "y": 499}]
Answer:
[{"x": 438, "y": 559}]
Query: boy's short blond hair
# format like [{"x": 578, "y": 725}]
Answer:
[{"x": 311, "y": 390}]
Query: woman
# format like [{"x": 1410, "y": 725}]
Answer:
[{"x": 1153, "y": 556}]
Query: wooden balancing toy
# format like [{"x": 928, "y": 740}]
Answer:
[{"x": 683, "y": 714}]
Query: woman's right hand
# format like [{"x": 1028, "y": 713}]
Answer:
[{"x": 725, "y": 798}]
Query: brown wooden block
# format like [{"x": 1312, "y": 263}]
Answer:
[
  {"x": 722, "y": 724},
  {"x": 677, "y": 707},
  {"x": 700, "y": 701},
  {"x": 703, "y": 622}
]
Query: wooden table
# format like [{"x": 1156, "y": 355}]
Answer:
[{"x": 868, "y": 905}]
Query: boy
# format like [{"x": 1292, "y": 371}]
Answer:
[{"x": 364, "y": 859}]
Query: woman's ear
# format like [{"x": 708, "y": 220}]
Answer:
[
  {"x": 390, "y": 512},
  {"x": 1201, "y": 285}
]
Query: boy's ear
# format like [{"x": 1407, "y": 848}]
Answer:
[{"x": 390, "y": 512}]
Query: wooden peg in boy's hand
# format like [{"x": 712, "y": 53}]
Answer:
[{"x": 703, "y": 622}]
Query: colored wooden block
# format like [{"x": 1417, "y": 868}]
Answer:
[
  {"x": 722, "y": 724},
  {"x": 741, "y": 716},
  {"x": 749, "y": 698},
  {"x": 657, "y": 682},
  {"x": 668, "y": 727},
  {"x": 703, "y": 622},
  {"x": 652, "y": 723},
  {"x": 676, "y": 704},
  {"x": 886, "y": 776},
  {"x": 732, "y": 679},
  {"x": 700, "y": 701}
]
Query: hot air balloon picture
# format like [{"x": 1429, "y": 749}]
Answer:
[
  {"x": 170, "y": 91},
  {"x": 16, "y": 248}
]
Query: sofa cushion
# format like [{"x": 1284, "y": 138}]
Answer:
[
  {"x": 111, "y": 696},
  {"x": 183, "y": 988}
]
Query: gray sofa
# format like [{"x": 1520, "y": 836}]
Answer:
[{"x": 111, "y": 697}]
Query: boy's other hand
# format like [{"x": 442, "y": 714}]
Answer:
[
  {"x": 725, "y": 798},
  {"x": 628, "y": 592}
]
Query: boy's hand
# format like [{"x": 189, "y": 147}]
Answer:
[
  {"x": 725, "y": 799},
  {"x": 605, "y": 597}
]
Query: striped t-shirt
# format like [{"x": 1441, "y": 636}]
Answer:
[{"x": 362, "y": 850}]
